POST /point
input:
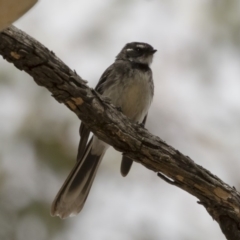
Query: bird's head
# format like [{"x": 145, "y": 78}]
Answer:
[{"x": 137, "y": 52}]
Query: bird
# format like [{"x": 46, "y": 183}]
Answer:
[{"x": 128, "y": 84}]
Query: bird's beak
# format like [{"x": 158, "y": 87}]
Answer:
[{"x": 153, "y": 51}]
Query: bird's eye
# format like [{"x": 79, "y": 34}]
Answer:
[{"x": 138, "y": 49}]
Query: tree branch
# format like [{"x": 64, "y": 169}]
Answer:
[{"x": 220, "y": 200}]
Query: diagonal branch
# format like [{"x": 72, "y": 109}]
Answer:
[{"x": 220, "y": 200}]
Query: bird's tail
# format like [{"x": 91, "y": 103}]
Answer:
[
  {"x": 73, "y": 193},
  {"x": 125, "y": 166}
]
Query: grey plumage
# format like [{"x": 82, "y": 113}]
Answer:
[{"x": 128, "y": 84}]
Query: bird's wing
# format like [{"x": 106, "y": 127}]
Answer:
[{"x": 105, "y": 81}]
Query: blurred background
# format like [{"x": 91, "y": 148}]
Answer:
[{"x": 196, "y": 109}]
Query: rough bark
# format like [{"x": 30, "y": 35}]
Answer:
[{"x": 221, "y": 201}]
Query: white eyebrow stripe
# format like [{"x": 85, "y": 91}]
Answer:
[
  {"x": 141, "y": 46},
  {"x": 129, "y": 49}
]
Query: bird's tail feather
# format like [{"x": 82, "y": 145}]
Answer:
[
  {"x": 73, "y": 193},
  {"x": 125, "y": 165}
]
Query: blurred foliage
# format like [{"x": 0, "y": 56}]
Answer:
[
  {"x": 17, "y": 224},
  {"x": 195, "y": 109},
  {"x": 225, "y": 20},
  {"x": 50, "y": 148}
]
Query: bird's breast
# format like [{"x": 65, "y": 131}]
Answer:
[{"x": 133, "y": 94}]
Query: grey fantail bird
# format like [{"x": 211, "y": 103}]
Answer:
[{"x": 128, "y": 83}]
